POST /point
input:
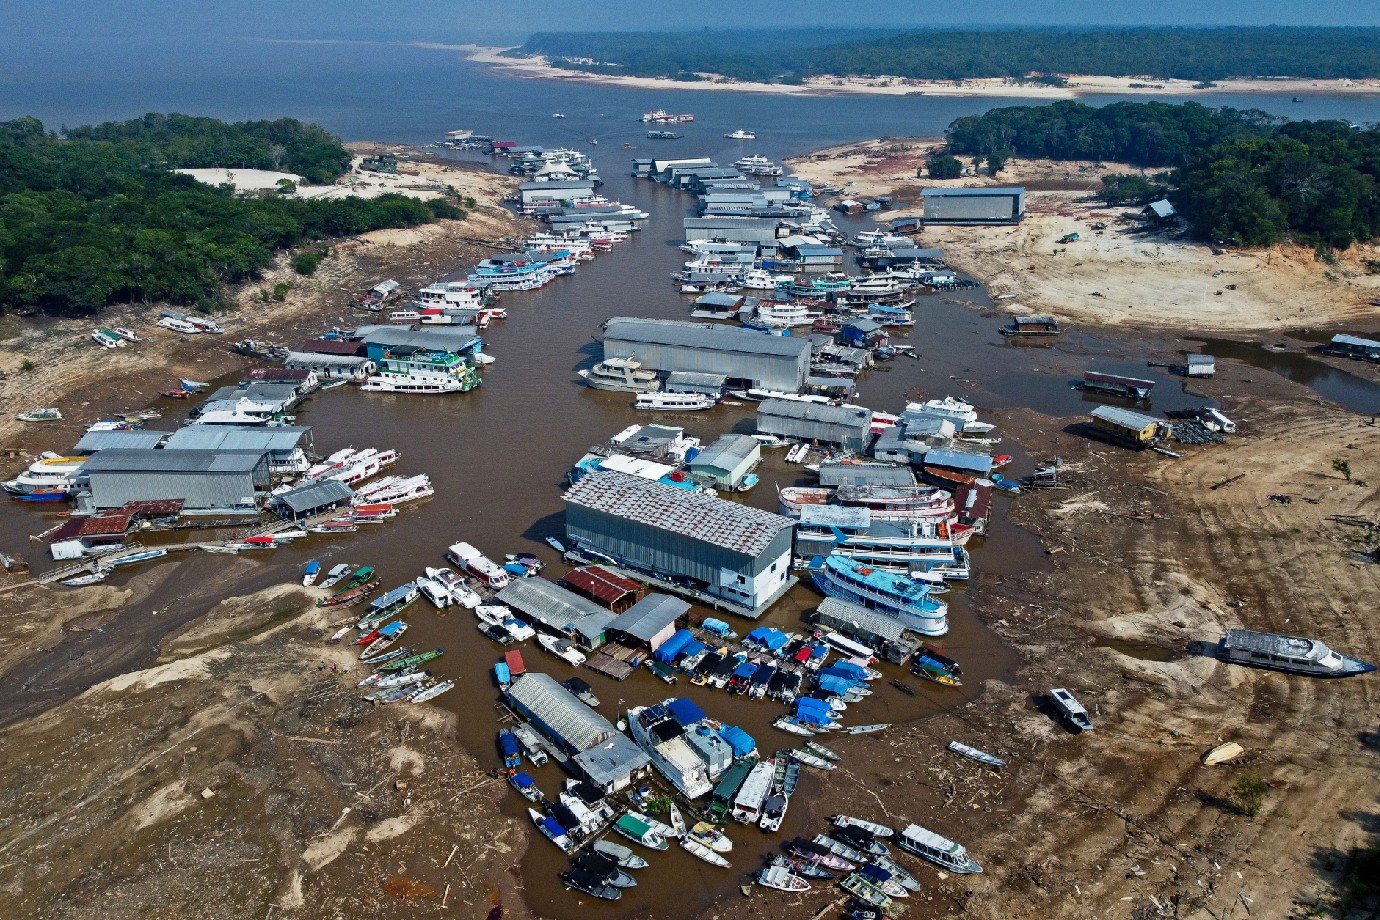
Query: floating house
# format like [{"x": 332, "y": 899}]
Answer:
[
  {"x": 559, "y": 611},
  {"x": 286, "y": 445},
  {"x": 1130, "y": 429},
  {"x": 649, "y": 622},
  {"x": 727, "y": 461},
  {"x": 313, "y": 498},
  {"x": 732, "y": 554},
  {"x": 883, "y": 634},
  {"x": 596, "y": 750},
  {"x": 1352, "y": 346},
  {"x": 1200, "y": 366},
  {"x": 221, "y": 481}
]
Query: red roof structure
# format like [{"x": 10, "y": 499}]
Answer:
[{"x": 605, "y": 588}]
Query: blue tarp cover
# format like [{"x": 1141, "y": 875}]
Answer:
[
  {"x": 717, "y": 627},
  {"x": 507, "y": 742},
  {"x": 811, "y": 704},
  {"x": 832, "y": 683},
  {"x": 693, "y": 647},
  {"x": 739, "y": 740},
  {"x": 746, "y": 669},
  {"x": 522, "y": 781},
  {"x": 552, "y": 827},
  {"x": 769, "y": 637},
  {"x": 668, "y": 649},
  {"x": 685, "y": 711},
  {"x": 846, "y": 670}
]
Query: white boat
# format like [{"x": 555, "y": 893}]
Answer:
[
  {"x": 819, "y": 750},
  {"x": 872, "y": 827},
  {"x": 660, "y": 827},
  {"x": 311, "y": 573},
  {"x": 695, "y": 848},
  {"x": 941, "y": 851},
  {"x": 962, "y": 414},
  {"x": 812, "y": 760},
  {"x": 48, "y": 478},
  {"x": 179, "y": 325},
  {"x": 621, "y": 375},
  {"x": 457, "y": 591},
  {"x": 782, "y": 879},
  {"x": 773, "y": 812},
  {"x": 81, "y": 581},
  {"x": 973, "y": 753},
  {"x": 562, "y": 649},
  {"x": 867, "y": 729},
  {"x": 674, "y": 402},
  {"x": 677, "y": 820},
  {"x": 489, "y": 573},
  {"x": 1290, "y": 654},
  {"x": 519, "y": 630},
  {"x": 759, "y": 279},
  {"x": 620, "y": 854},
  {"x": 556, "y": 544},
  {"x": 125, "y": 333},
  {"x": 794, "y": 727},
  {"x": 336, "y": 574},
  {"x": 712, "y": 837},
  {"x": 657, "y": 733},
  {"x": 898, "y": 874},
  {"x": 781, "y": 314},
  {"x": 747, "y": 804},
  {"x": 434, "y": 591},
  {"x": 1071, "y": 710},
  {"x": 741, "y": 135},
  {"x": 551, "y": 830},
  {"x": 40, "y": 415},
  {"x": 492, "y": 614}
]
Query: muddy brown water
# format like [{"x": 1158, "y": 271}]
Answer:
[{"x": 498, "y": 457}]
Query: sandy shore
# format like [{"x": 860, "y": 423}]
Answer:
[
  {"x": 540, "y": 67},
  {"x": 1118, "y": 274}
]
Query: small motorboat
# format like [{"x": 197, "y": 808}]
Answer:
[
  {"x": 590, "y": 884},
  {"x": 551, "y": 830},
  {"x": 525, "y": 786},
  {"x": 782, "y": 879},
  {"x": 812, "y": 760},
  {"x": 814, "y": 747},
  {"x": 310, "y": 573},
  {"x": 973, "y": 753},
  {"x": 805, "y": 868},
  {"x": 872, "y": 827},
  {"x": 40, "y": 415},
  {"x": 555, "y": 544},
  {"x": 706, "y": 853},
  {"x": 824, "y": 856},
  {"x": 793, "y": 726},
  {"x": 712, "y": 837},
  {"x": 677, "y": 821},
  {"x": 605, "y": 868},
  {"x": 867, "y": 729},
  {"x": 336, "y": 574},
  {"x": 620, "y": 854}
]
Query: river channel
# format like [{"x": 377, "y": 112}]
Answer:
[{"x": 498, "y": 456}]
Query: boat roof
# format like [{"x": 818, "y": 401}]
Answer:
[{"x": 1273, "y": 644}]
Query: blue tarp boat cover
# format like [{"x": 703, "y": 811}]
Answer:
[
  {"x": 669, "y": 648},
  {"x": 832, "y": 683},
  {"x": 810, "y": 704},
  {"x": 552, "y": 827},
  {"x": 502, "y": 673},
  {"x": 819, "y": 650},
  {"x": 693, "y": 647},
  {"x": 768, "y": 637},
  {"x": 811, "y": 715},
  {"x": 507, "y": 743},
  {"x": 876, "y": 873},
  {"x": 717, "y": 627},
  {"x": 392, "y": 629},
  {"x": 846, "y": 669},
  {"x": 685, "y": 711},
  {"x": 523, "y": 781},
  {"x": 739, "y": 740},
  {"x": 745, "y": 670}
]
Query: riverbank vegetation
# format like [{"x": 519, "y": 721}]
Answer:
[
  {"x": 1200, "y": 54},
  {"x": 1237, "y": 176},
  {"x": 95, "y": 216}
]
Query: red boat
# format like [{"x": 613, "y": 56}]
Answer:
[
  {"x": 260, "y": 542},
  {"x": 352, "y": 596},
  {"x": 514, "y": 661}
]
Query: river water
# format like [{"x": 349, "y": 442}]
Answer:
[{"x": 497, "y": 456}]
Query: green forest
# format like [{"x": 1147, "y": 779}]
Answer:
[
  {"x": 1237, "y": 176},
  {"x": 1154, "y": 52},
  {"x": 94, "y": 216}
]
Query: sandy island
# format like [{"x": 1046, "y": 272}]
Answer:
[
  {"x": 1120, "y": 274},
  {"x": 538, "y": 66}
]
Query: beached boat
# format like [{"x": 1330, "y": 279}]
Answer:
[
  {"x": 867, "y": 729},
  {"x": 81, "y": 581},
  {"x": 701, "y": 851},
  {"x": 781, "y": 879},
  {"x": 624, "y": 857},
  {"x": 349, "y": 596},
  {"x": 49, "y": 478},
  {"x": 179, "y": 325},
  {"x": 336, "y": 574},
  {"x": 812, "y": 760},
  {"x": 809, "y": 850},
  {"x": 639, "y": 832},
  {"x": 40, "y": 415},
  {"x": 898, "y": 874},
  {"x": 941, "y": 851},
  {"x": 773, "y": 813},
  {"x": 390, "y": 655},
  {"x": 805, "y": 868},
  {"x": 793, "y": 726},
  {"x": 839, "y": 848},
  {"x": 411, "y": 661},
  {"x": 865, "y": 890},
  {"x": 1290, "y": 654},
  {"x": 430, "y": 692},
  {"x": 1071, "y": 710},
  {"x": 973, "y": 753},
  {"x": 872, "y": 827},
  {"x": 310, "y": 573},
  {"x": 819, "y": 750}
]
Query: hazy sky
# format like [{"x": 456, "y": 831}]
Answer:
[{"x": 508, "y": 20}]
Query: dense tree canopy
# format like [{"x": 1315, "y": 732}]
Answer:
[
  {"x": 1240, "y": 177},
  {"x": 951, "y": 54},
  {"x": 95, "y": 216}
]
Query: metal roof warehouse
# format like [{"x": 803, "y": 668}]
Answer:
[
  {"x": 845, "y": 426},
  {"x": 652, "y": 620},
  {"x": 558, "y": 713},
  {"x": 558, "y": 610},
  {"x": 204, "y": 479},
  {"x": 772, "y": 362}
]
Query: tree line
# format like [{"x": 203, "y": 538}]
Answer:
[
  {"x": 1236, "y": 176},
  {"x": 1154, "y": 52},
  {"x": 95, "y": 216}
]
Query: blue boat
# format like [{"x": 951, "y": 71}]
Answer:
[
  {"x": 503, "y": 674},
  {"x": 512, "y": 752},
  {"x": 897, "y": 595}
]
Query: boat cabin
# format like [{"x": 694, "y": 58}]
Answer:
[{"x": 1034, "y": 324}]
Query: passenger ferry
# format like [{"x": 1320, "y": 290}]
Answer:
[
  {"x": 48, "y": 479},
  {"x": 453, "y": 294},
  {"x": 877, "y": 589},
  {"x": 897, "y": 546},
  {"x": 747, "y": 804},
  {"x": 489, "y": 573},
  {"x": 422, "y": 373},
  {"x": 512, "y": 273},
  {"x": 778, "y": 314},
  {"x": 941, "y": 851},
  {"x": 674, "y": 402},
  {"x": 759, "y": 279},
  {"x": 1291, "y": 654}
]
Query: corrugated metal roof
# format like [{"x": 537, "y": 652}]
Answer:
[
  {"x": 696, "y": 335},
  {"x": 555, "y": 607},
  {"x": 727, "y": 452},
  {"x": 600, "y": 583},
  {"x": 612, "y": 761},
  {"x": 836, "y": 516},
  {"x": 1126, "y": 417},
  {"x": 869, "y": 620},
  {"x": 731, "y": 223},
  {"x": 447, "y": 338},
  {"x": 959, "y": 460},
  {"x": 175, "y": 461},
  {"x": 322, "y": 359},
  {"x": 1208, "y": 359},
  {"x": 857, "y": 474},
  {"x": 697, "y": 515},
  {"x": 317, "y": 495},
  {"x": 237, "y": 437},
  {"x": 695, "y": 379},
  {"x": 971, "y": 192},
  {"x": 560, "y": 710},
  {"x": 141, "y": 439},
  {"x": 258, "y": 391},
  {"x": 855, "y": 417},
  {"x": 1339, "y": 339},
  {"x": 650, "y": 616}
]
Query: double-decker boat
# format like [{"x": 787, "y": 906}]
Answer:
[{"x": 877, "y": 589}]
